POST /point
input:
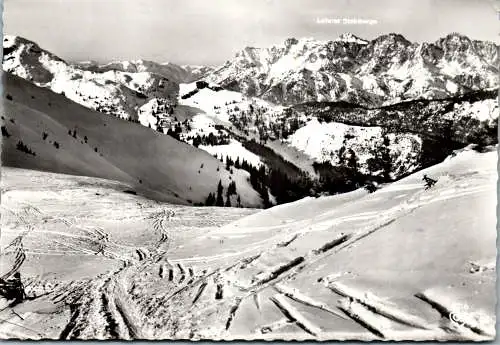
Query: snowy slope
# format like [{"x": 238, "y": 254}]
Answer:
[
  {"x": 234, "y": 150},
  {"x": 484, "y": 111},
  {"x": 222, "y": 104},
  {"x": 401, "y": 263},
  {"x": 322, "y": 141},
  {"x": 315, "y": 268},
  {"x": 94, "y": 144}
]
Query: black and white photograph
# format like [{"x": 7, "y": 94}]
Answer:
[{"x": 249, "y": 170}]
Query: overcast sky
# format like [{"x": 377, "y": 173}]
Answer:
[{"x": 211, "y": 31}]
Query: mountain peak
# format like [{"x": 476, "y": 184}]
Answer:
[
  {"x": 291, "y": 41},
  {"x": 301, "y": 41},
  {"x": 392, "y": 37},
  {"x": 350, "y": 38},
  {"x": 455, "y": 43},
  {"x": 455, "y": 38},
  {"x": 11, "y": 41}
]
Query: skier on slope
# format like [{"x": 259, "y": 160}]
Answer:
[{"x": 429, "y": 182}]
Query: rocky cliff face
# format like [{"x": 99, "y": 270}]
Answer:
[{"x": 386, "y": 70}]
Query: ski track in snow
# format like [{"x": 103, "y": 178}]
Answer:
[{"x": 163, "y": 288}]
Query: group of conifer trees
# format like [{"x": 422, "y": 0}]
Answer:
[{"x": 218, "y": 198}]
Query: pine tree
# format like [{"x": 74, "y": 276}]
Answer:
[
  {"x": 381, "y": 159},
  {"x": 5, "y": 133},
  {"x": 341, "y": 155},
  {"x": 210, "y": 201},
  {"x": 220, "y": 191},
  {"x": 228, "y": 201},
  {"x": 178, "y": 128},
  {"x": 197, "y": 141},
  {"x": 231, "y": 189},
  {"x": 352, "y": 161},
  {"x": 386, "y": 158}
]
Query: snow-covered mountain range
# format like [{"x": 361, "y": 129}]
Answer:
[
  {"x": 111, "y": 91},
  {"x": 180, "y": 74},
  {"x": 300, "y": 104},
  {"x": 385, "y": 70}
]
